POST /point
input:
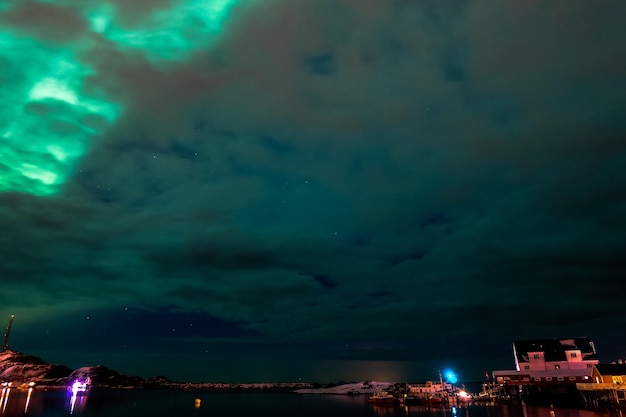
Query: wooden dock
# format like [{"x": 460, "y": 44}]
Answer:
[{"x": 596, "y": 395}]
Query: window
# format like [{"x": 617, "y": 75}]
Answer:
[
  {"x": 617, "y": 379},
  {"x": 536, "y": 356},
  {"x": 572, "y": 378},
  {"x": 589, "y": 365},
  {"x": 560, "y": 378},
  {"x": 557, "y": 366},
  {"x": 526, "y": 367},
  {"x": 548, "y": 378},
  {"x": 537, "y": 379},
  {"x": 573, "y": 355}
]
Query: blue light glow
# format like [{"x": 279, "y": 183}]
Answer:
[{"x": 450, "y": 376}]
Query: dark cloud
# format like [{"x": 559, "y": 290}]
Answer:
[
  {"x": 138, "y": 13},
  {"x": 45, "y": 22}
]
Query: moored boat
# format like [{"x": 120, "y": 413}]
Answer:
[
  {"x": 437, "y": 398},
  {"x": 383, "y": 397}
]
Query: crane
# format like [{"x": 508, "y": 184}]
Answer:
[{"x": 5, "y": 346}]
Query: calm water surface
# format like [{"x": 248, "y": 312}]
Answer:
[{"x": 139, "y": 403}]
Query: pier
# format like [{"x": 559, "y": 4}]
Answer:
[{"x": 603, "y": 394}]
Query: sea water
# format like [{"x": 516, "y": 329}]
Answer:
[{"x": 184, "y": 403}]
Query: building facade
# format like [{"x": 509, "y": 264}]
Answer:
[
  {"x": 607, "y": 385},
  {"x": 550, "y": 362}
]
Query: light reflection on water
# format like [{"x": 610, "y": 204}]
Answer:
[
  {"x": 161, "y": 403},
  {"x": 77, "y": 402}
]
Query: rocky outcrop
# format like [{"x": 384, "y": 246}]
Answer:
[
  {"x": 17, "y": 367},
  {"x": 101, "y": 376}
]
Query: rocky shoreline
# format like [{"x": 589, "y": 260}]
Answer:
[{"x": 20, "y": 370}]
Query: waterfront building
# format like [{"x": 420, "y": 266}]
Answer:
[
  {"x": 550, "y": 362},
  {"x": 547, "y": 370},
  {"x": 609, "y": 373},
  {"x": 608, "y": 385}
]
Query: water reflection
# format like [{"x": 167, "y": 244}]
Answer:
[
  {"x": 383, "y": 410},
  {"x": 4, "y": 399},
  {"x": 502, "y": 410},
  {"x": 413, "y": 410},
  {"x": 78, "y": 399},
  {"x": 30, "y": 393},
  {"x": 37, "y": 402},
  {"x": 20, "y": 400},
  {"x": 530, "y": 411}
]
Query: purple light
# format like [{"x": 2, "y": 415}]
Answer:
[{"x": 78, "y": 386}]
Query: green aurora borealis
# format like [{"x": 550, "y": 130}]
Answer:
[{"x": 52, "y": 113}]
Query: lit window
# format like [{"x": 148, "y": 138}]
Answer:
[
  {"x": 557, "y": 366},
  {"x": 617, "y": 379}
]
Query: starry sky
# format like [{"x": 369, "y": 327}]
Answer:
[{"x": 267, "y": 190}]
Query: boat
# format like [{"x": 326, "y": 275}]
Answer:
[
  {"x": 382, "y": 397},
  {"x": 436, "y": 398},
  {"x": 429, "y": 393}
]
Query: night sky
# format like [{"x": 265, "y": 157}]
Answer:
[{"x": 269, "y": 190}]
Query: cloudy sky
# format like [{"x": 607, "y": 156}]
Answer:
[{"x": 256, "y": 190}]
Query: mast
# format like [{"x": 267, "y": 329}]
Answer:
[{"x": 5, "y": 346}]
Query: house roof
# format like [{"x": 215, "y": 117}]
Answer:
[
  {"x": 554, "y": 350},
  {"x": 611, "y": 368}
]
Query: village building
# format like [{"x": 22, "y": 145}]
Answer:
[
  {"x": 545, "y": 367},
  {"x": 607, "y": 385},
  {"x": 550, "y": 361}
]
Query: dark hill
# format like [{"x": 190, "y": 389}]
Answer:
[{"x": 19, "y": 368}]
